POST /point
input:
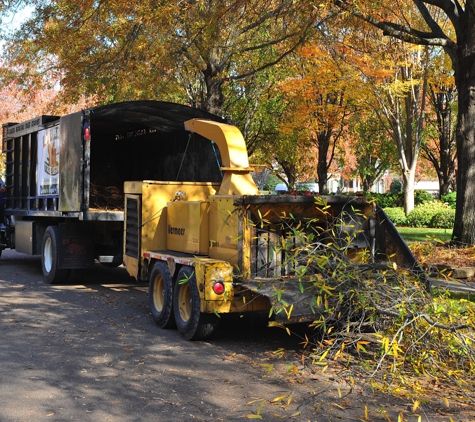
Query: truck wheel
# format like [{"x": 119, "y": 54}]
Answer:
[
  {"x": 191, "y": 323},
  {"x": 160, "y": 294},
  {"x": 49, "y": 257}
]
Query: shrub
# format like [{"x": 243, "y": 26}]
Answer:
[
  {"x": 443, "y": 219},
  {"x": 396, "y": 186},
  {"x": 421, "y": 216},
  {"x": 418, "y": 217},
  {"x": 396, "y": 215},
  {"x": 421, "y": 196},
  {"x": 450, "y": 198},
  {"x": 388, "y": 199},
  {"x": 391, "y": 199}
]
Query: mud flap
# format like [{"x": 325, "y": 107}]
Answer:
[{"x": 76, "y": 246}]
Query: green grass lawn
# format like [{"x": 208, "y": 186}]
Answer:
[{"x": 414, "y": 234}]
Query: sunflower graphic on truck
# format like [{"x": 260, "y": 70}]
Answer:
[{"x": 48, "y": 161}]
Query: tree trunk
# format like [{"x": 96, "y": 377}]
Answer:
[
  {"x": 409, "y": 182},
  {"x": 443, "y": 157},
  {"x": 323, "y": 144},
  {"x": 289, "y": 171},
  {"x": 368, "y": 183},
  {"x": 446, "y": 172},
  {"x": 215, "y": 97},
  {"x": 464, "y": 228},
  {"x": 214, "y": 90},
  {"x": 445, "y": 185},
  {"x": 322, "y": 177}
]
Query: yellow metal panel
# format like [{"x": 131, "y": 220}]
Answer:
[
  {"x": 155, "y": 198},
  {"x": 238, "y": 184},
  {"x": 187, "y": 227},
  {"x": 223, "y": 229},
  {"x": 207, "y": 274},
  {"x": 132, "y": 266},
  {"x": 230, "y": 233}
]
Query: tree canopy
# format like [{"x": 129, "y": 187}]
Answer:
[{"x": 119, "y": 50}]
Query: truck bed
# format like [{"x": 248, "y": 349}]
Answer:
[{"x": 97, "y": 150}]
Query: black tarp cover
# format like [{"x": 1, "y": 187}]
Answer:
[
  {"x": 147, "y": 140},
  {"x": 160, "y": 115}
]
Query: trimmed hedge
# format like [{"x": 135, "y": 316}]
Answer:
[
  {"x": 428, "y": 212},
  {"x": 390, "y": 199},
  {"x": 396, "y": 215},
  {"x": 422, "y": 215},
  {"x": 444, "y": 219}
]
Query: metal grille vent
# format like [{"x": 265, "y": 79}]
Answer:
[{"x": 132, "y": 228}]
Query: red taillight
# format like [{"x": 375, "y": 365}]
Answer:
[
  {"x": 218, "y": 287},
  {"x": 87, "y": 133}
]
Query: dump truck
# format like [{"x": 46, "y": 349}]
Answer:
[{"x": 167, "y": 191}]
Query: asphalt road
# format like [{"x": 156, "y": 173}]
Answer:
[{"x": 91, "y": 352}]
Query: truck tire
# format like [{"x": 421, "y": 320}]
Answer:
[
  {"x": 49, "y": 257},
  {"x": 160, "y": 295},
  {"x": 191, "y": 323}
]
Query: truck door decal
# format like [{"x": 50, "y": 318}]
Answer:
[{"x": 48, "y": 161}]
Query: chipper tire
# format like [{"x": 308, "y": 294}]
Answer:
[
  {"x": 191, "y": 323},
  {"x": 160, "y": 294}
]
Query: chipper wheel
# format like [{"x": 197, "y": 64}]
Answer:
[
  {"x": 191, "y": 323},
  {"x": 160, "y": 294}
]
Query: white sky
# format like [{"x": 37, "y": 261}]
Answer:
[{"x": 13, "y": 21}]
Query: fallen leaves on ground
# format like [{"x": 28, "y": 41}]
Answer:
[{"x": 434, "y": 254}]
